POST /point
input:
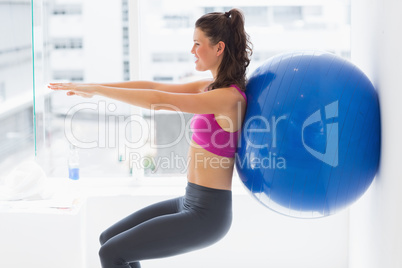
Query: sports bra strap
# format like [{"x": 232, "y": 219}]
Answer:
[{"x": 235, "y": 86}]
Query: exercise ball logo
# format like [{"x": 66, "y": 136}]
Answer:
[{"x": 330, "y": 156}]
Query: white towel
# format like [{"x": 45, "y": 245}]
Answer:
[{"x": 27, "y": 181}]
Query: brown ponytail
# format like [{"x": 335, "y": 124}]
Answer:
[{"x": 229, "y": 28}]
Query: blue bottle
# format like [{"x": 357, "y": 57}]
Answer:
[{"x": 73, "y": 163}]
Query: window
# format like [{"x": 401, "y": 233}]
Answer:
[
  {"x": 81, "y": 56},
  {"x": 176, "y": 21},
  {"x": 64, "y": 52},
  {"x": 16, "y": 131},
  {"x": 68, "y": 9},
  {"x": 67, "y": 43},
  {"x": 69, "y": 75},
  {"x": 273, "y": 29},
  {"x": 2, "y": 92},
  {"x": 126, "y": 67},
  {"x": 287, "y": 14}
]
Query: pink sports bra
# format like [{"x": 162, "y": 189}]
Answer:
[{"x": 209, "y": 135}]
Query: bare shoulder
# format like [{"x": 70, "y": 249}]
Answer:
[
  {"x": 236, "y": 93},
  {"x": 227, "y": 94},
  {"x": 231, "y": 95}
]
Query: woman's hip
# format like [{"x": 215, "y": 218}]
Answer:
[{"x": 212, "y": 208}]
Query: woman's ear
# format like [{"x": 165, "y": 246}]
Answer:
[{"x": 221, "y": 48}]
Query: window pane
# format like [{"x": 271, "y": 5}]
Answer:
[
  {"x": 76, "y": 43},
  {"x": 167, "y": 34},
  {"x": 16, "y": 126}
]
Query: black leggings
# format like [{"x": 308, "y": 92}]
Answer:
[{"x": 200, "y": 218}]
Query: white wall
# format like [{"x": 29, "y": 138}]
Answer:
[{"x": 376, "y": 220}]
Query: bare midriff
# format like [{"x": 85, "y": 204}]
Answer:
[{"x": 208, "y": 169}]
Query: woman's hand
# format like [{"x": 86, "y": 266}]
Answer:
[{"x": 82, "y": 90}]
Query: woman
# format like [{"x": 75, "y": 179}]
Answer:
[{"x": 204, "y": 215}]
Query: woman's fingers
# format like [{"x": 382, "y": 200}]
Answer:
[
  {"x": 59, "y": 86},
  {"x": 72, "y": 89},
  {"x": 53, "y": 87},
  {"x": 60, "y": 83}
]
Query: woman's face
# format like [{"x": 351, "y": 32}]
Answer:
[{"x": 207, "y": 56}]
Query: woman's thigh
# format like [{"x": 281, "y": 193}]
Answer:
[
  {"x": 155, "y": 210},
  {"x": 159, "y": 237}
]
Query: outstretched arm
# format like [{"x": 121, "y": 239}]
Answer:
[
  {"x": 130, "y": 84},
  {"x": 192, "y": 87},
  {"x": 220, "y": 101}
]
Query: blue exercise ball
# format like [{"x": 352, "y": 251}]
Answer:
[{"x": 310, "y": 141}]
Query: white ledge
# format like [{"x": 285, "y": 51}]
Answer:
[{"x": 69, "y": 196}]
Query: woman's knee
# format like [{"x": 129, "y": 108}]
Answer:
[
  {"x": 103, "y": 237},
  {"x": 109, "y": 255}
]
